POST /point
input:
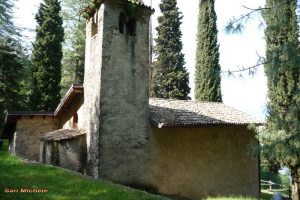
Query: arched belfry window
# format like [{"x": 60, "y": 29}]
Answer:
[
  {"x": 122, "y": 18},
  {"x": 127, "y": 23},
  {"x": 131, "y": 27}
]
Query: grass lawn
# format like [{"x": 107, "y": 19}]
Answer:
[
  {"x": 264, "y": 196},
  {"x": 229, "y": 198},
  {"x": 61, "y": 184}
]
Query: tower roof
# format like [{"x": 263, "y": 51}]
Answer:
[
  {"x": 138, "y": 2},
  {"x": 89, "y": 11}
]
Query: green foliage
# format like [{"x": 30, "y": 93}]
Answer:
[
  {"x": 268, "y": 175},
  {"x": 47, "y": 56},
  {"x": 283, "y": 73},
  {"x": 132, "y": 8},
  {"x": 61, "y": 184},
  {"x": 7, "y": 27},
  {"x": 170, "y": 78},
  {"x": 282, "y": 136},
  {"x": 91, "y": 8},
  {"x": 12, "y": 61},
  {"x": 285, "y": 179},
  {"x": 264, "y": 195},
  {"x": 74, "y": 44},
  {"x": 207, "y": 75},
  {"x": 11, "y": 69}
]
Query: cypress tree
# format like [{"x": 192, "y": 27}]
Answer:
[
  {"x": 47, "y": 56},
  {"x": 170, "y": 78},
  {"x": 282, "y": 138},
  {"x": 207, "y": 75}
]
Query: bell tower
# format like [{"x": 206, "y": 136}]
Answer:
[{"x": 116, "y": 86}]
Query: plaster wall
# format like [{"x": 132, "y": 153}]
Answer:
[
  {"x": 92, "y": 85},
  {"x": 196, "y": 162},
  {"x": 116, "y": 95}
]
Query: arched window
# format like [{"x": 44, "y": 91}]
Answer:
[
  {"x": 128, "y": 23},
  {"x": 131, "y": 27}
]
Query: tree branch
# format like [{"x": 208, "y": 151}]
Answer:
[
  {"x": 252, "y": 69},
  {"x": 236, "y": 24}
]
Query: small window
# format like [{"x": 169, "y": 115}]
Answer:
[
  {"x": 75, "y": 121},
  {"x": 94, "y": 30},
  {"x": 131, "y": 27},
  {"x": 121, "y": 22},
  {"x": 128, "y": 23}
]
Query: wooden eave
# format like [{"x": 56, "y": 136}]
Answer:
[
  {"x": 74, "y": 91},
  {"x": 12, "y": 117}
]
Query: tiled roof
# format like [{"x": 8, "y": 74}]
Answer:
[
  {"x": 62, "y": 134},
  {"x": 169, "y": 113},
  {"x": 75, "y": 91}
]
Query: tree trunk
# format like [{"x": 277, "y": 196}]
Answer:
[{"x": 295, "y": 183}]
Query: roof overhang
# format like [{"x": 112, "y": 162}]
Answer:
[
  {"x": 197, "y": 125},
  {"x": 62, "y": 134},
  {"x": 74, "y": 91},
  {"x": 181, "y": 113},
  {"x": 12, "y": 117}
]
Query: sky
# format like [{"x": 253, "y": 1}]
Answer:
[{"x": 246, "y": 93}]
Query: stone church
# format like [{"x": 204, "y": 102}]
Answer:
[{"x": 110, "y": 129}]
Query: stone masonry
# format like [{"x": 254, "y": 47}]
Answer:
[
  {"x": 65, "y": 148},
  {"x": 25, "y": 141},
  {"x": 116, "y": 92}
]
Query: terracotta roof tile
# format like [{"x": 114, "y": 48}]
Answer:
[{"x": 168, "y": 113}]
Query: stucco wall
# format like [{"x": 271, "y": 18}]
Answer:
[
  {"x": 116, "y": 95},
  {"x": 25, "y": 142},
  {"x": 194, "y": 162},
  {"x": 69, "y": 154},
  {"x": 92, "y": 76}
]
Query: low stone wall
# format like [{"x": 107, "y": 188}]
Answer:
[
  {"x": 69, "y": 153},
  {"x": 25, "y": 141}
]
